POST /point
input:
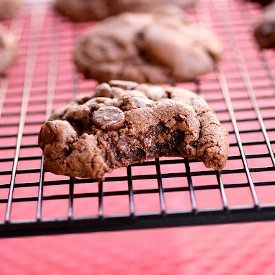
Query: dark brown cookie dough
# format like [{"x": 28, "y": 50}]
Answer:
[
  {"x": 8, "y": 50},
  {"x": 88, "y": 10},
  {"x": 148, "y": 48},
  {"x": 264, "y": 30},
  {"x": 123, "y": 124},
  {"x": 9, "y": 8}
]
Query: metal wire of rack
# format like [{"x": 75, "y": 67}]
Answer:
[{"x": 164, "y": 192}]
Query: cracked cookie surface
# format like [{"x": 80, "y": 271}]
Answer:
[
  {"x": 152, "y": 48},
  {"x": 125, "y": 123},
  {"x": 88, "y": 10}
]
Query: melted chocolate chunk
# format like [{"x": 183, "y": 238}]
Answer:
[{"x": 108, "y": 118}]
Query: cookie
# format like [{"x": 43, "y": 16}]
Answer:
[
  {"x": 88, "y": 10},
  {"x": 264, "y": 30},
  {"x": 125, "y": 123},
  {"x": 262, "y": 2},
  {"x": 148, "y": 48},
  {"x": 8, "y": 50},
  {"x": 9, "y": 8}
]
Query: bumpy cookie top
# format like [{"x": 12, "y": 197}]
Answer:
[
  {"x": 150, "y": 48},
  {"x": 87, "y": 10},
  {"x": 125, "y": 123}
]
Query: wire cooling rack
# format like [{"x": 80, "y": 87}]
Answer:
[{"x": 161, "y": 193}]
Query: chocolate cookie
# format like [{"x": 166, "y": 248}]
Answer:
[
  {"x": 264, "y": 30},
  {"x": 125, "y": 123},
  {"x": 146, "y": 48},
  {"x": 8, "y": 50},
  {"x": 88, "y": 10},
  {"x": 9, "y": 8},
  {"x": 262, "y": 2}
]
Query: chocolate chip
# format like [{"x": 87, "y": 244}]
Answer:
[
  {"x": 139, "y": 39},
  {"x": 78, "y": 112},
  {"x": 152, "y": 91},
  {"x": 142, "y": 102},
  {"x": 103, "y": 90},
  {"x": 181, "y": 117},
  {"x": 47, "y": 134},
  {"x": 127, "y": 85},
  {"x": 108, "y": 118},
  {"x": 266, "y": 29}
]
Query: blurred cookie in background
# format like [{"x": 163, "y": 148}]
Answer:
[
  {"x": 264, "y": 30},
  {"x": 9, "y": 8},
  {"x": 8, "y": 50},
  {"x": 262, "y": 2},
  {"x": 89, "y": 10},
  {"x": 147, "y": 47},
  {"x": 82, "y": 10}
]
